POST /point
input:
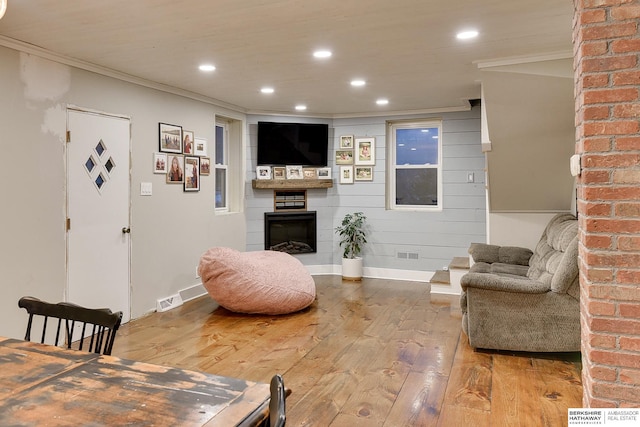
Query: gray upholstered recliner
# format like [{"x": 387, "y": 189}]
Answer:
[{"x": 516, "y": 299}]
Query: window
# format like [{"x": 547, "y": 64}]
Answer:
[
  {"x": 221, "y": 166},
  {"x": 415, "y": 160}
]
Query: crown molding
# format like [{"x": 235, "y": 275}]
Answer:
[
  {"x": 525, "y": 59},
  {"x": 107, "y": 72}
]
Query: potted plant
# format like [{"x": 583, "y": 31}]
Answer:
[{"x": 352, "y": 239}]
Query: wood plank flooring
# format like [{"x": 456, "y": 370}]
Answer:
[{"x": 370, "y": 353}]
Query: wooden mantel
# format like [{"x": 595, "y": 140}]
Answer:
[{"x": 294, "y": 184}]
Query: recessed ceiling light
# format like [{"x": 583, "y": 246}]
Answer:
[
  {"x": 358, "y": 82},
  {"x": 465, "y": 35},
  {"x": 301, "y": 107},
  {"x": 207, "y": 67},
  {"x": 267, "y": 90},
  {"x": 382, "y": 101},
  {"x": 322, "y": 53}
]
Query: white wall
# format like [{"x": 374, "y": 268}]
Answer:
[
  {"x": 169, "y": 230},
  {"x": 517, "y": 229},
  {"x": 530, "y": 123},
  {"x": 531, "y": 126}
]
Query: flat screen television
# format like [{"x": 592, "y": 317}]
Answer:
[{"x": 298, "y": 144}]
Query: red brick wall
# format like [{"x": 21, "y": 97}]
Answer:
[{"x": 607, "y": 70}]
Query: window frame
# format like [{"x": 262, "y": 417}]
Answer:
[
  {"x": 392, "y": 128},
  {"x": 224, "y": 165}
]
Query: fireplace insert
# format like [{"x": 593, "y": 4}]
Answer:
[{"x": 290, "y": 232}]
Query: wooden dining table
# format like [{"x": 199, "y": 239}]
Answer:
[{"x": 43, "y": 385}]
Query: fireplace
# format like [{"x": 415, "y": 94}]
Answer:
[{"x": 290, "y": 232}]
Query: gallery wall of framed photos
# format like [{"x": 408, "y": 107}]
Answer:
[
  {"x": 355, "y": 156},
  {"x": 181, "y": 157}
]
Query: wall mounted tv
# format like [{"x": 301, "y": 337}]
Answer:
[{"x": 300, "y": 144}]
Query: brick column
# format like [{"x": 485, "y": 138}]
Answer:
[{"x": 607, "y": 71}]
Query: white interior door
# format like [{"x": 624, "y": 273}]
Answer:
[{"x": 98, "y": 183}]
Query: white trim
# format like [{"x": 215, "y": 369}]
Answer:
[
  {"x": 192, "y": 292},
  {"x": 420, "y": 277},
  {"x": 374, "y": 273},
  {"x": 87, "y": 66},
  {"x": 531, "y": 211},
  {"x": 392, "y": 167},
  {"x": 224, "y": 165},
  {"x": 394, "y": 113},
  {"x": 97, "y": 112},
  {"x": 443, "y": 289},
  {"x": 526, "y": 59}
]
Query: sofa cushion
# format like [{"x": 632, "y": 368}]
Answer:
[
  {"x": 264, "y": 282},
  {"x": 499, "y": 268},
  {"x": 556, "y": 252},
  {"x": 482, "y": 252}
]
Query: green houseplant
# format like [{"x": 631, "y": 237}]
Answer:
[{"x": 352, "y": 239}]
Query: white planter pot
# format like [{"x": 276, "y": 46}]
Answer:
[{"x": 352, "y": 268}]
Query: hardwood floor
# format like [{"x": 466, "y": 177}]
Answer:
[{"x": 374, "y": 353}]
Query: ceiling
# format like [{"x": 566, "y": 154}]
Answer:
[{"x": 406, "y": 50}]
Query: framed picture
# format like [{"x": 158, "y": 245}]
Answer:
[
  {"x": 170, "y": 137},
  {"x": 344, "y": 157},
  {"x": 279, "y": 172},
  {"x": 346, "y": 174},
  {"x": 188, "y": 142},
  {"x": 294, "y": 172},
  {"x": 263, "y": 172},
  {"x": 200, "y": 147},
  {"x": 159, "y": 163},
  {"x": 346, "y": 142},
  {"x": 205, "y": 165},
  {"x": 324, "y": 173},
  {"x": 365, "y": 154},
  {"x": 310, "y": 173},
  {"x": 191, "y": 173},
  {"x": 175, "y": 171},
  {"x": 363, "y": 173}
]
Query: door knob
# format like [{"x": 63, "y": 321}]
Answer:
[{"x": 126, "y": 230}]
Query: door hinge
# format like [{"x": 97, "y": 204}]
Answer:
[
  {"x": 68, "y": 224},
  {"x": 68, "y": 136}
]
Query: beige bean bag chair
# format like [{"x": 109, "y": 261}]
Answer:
[{"x": 261, "y": 282}]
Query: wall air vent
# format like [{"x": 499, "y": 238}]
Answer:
[{"x": 168, "y": 303}]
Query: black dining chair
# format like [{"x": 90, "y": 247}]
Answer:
[
  {"x": 272, "y": 413},
  {"x": 98, "y": 326},
  {"x": 277, "y": 412}
]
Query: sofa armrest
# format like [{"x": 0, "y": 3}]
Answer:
[
  {"x": 482, "y": 252},
  {"x": 505, "y": 283}
]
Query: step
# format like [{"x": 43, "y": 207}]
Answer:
[
  {"x": 440, "y": 277},
  {"x": 459, "y": 263},
  {"x": 458, "y": 267}
]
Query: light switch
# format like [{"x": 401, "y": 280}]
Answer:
[
  {"x": 471, "y": 177},
  {"x": 146, "y": 189},
  {"x": 574, "y": 165}
]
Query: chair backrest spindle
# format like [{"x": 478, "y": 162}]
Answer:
[{"x": 100, "y": 321}]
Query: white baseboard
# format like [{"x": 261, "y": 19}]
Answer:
[
  {"x": 192, "y": 292},
  {"x": 443, "y": 289},
  {"x": 374, "y": 273},
  {"x": 198, "y": 289}
]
